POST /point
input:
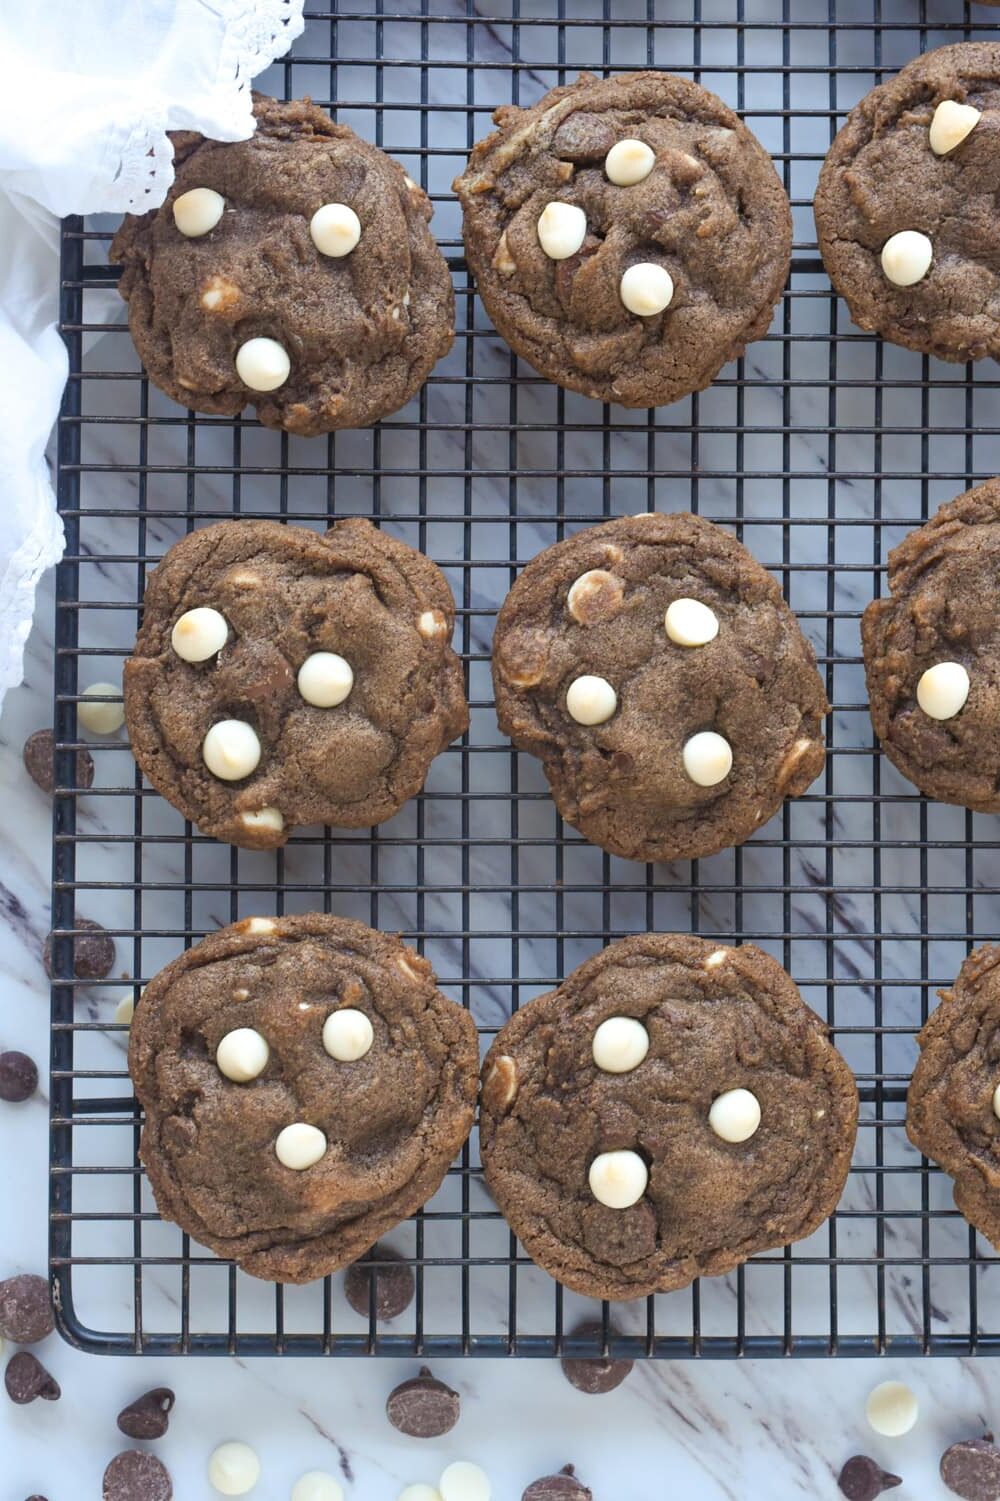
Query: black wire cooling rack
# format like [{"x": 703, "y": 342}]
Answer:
[{"x": 820, "y": 449}]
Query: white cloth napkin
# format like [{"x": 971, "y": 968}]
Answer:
[{"x": 90, "y": 91}]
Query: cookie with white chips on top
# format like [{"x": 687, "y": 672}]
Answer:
[{"x": 653, "y": 666}]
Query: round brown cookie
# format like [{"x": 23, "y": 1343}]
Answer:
[
  {"x": 688, "y": 191},
  {"x": 932, "y": 653},
  {"x": 329, "y": 654},
  {"x": 361, "y": 326},
  {"x": 321, "y": 1134},
  {"x": 920, "y": 157},
  {"x": 954, "y": 1095},
  {"x": 609, "y": 608},
  {"x": 613, "y": 1173}
]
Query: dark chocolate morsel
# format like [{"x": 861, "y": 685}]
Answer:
[
  {"x": 149, "y": 1415},
  {"x": 562, "y": 1487},
  {"x": 26, "y": 1378},
  {"x": 39, "y": 762},
  {"x": 18, "y": 1077},
  {"x": 394, "y": 1285},
  {"x": 972, "y": 1469},
  {"x": 25, "y": 1309},
  {"x": 862, "y": 1479},
  {"x": 423, "y": 1407},
  {"x": 598, "y": 1374},
  {"x": 93, "y": 951},
  {"x": 137, "y": 1476}
]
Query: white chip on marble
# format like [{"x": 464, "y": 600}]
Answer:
[
  {"x": 125, "y": 1010},
  {"x": 348, "y": 1035},
  {"x": 264, "y": 818},
  {"x": 419, "y": 1493},
  {"x": 199, "y": 634},
  {"x": 618, "y": 1179},
  {"x": 464, "y": 1481},
  {"x": 892, "y": 1409},
  {"x": 629, "y": 162},
  {"x": 943, "y": 690},
  {"x": 300, "y": 1146},
  {"x": 262, "y": 364},
  {"x": 242, "y": 1055},
  {"x": 325, "y": 679},
  {"x": 317, "y": 1485},
  {"x": 906, "y": 257},
  {"x": 646, "y": 289},
  {"x": 951, "y": 124},
  {"x": 198, "y": 211},
  {"x": 735, "y": 1115},
  {"x": 231, "y": 750},
  {"x": 562, "y": 229},
  {"x": 591, "y": 700},
  {"x": 690, "y": 623},
  {"x": 708, "y": 758},
  {"x": 233, "y": 1469},
  {"x": 620, "y": 1044},
  {"x": 101, "y": 719},
  {"x": 335, "y": 229}
]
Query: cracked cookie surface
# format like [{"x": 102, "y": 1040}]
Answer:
[
  {"x": 882, "y": 177},
  {"x": 361, "y": 328},
  {"x": 387, "y": 1122},
  {"x": 717, "y": 1022},
  {"x": 709, "y": 211},
  {"x": 736, "y": 678},
  {"x": 354, "y": 600}
]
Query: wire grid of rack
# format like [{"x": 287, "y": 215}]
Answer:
[{"x": 820, "y": 448}]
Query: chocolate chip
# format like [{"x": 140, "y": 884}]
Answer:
[
  {"x": 862, "y": 1479},
  {"x": 25, "y": 1309},
  {"x": 93, "y": 951},
  {"x": 972, "y": 1469},
  {"x": 26, "y": 1378},
  {"x": 562, "y": 1487},
  {"x": 39, "y": 761},
  {"x": 149, "y": 1415},
  {"x": 18, "y": 1077},
  {"x": 423, "y": 1407},
  {"x": 598, "y": 1375},
  {"x": 394, "y": 1286},
  {"x": 137, "y": 1476}
]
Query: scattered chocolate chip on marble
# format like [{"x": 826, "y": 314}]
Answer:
[
  {"x": 39, "y": 762},
  {"x": 93, "y": 951},
  {"x": 394, "y": 1285},
  {"x": 149, "y": 1415},
  {"x": 972, "y": 1469},
  {"x": 862, "y": 1479},
  {"x": 423, "y": 1407},
  {"x": 26, "y": 1378},
  {"x": 18, "y": 1077},
  {"x": 566, "y": 1486},
  {"x": 137, "y": 1476},
  {"x": 25, "y": 1309},
  {"x": 598, "y": 1374}
]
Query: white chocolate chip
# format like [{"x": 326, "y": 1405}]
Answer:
[
  {"x": 101, "y": 719},
  {"x": 335, "y": 229},
  {"x": 242, "y": 1055},
  {"x": 892, "y": 1409},
  {"x": 951, "y": 124},
  {"x": 708, "y": 758},
  {"x": 317, "y": 1485},
  {"x": 629, "y": 162},
  {"x": 943, "y": 690},
  {"x": 348, "y": 1035},
  {"x": 715, "y": 958},
  {"x": 300, "y": 1146},
  {"x": 325, "y": 679},
  {"x": 996, "y": 1102},
  {"x": 241, "y": 993},
  {"x": 271, "y": 819},
  {"x": 261, "y": 925},
  {"x": 125, "y": 1010},
  {"x": 408, "y": 968},
  {"x": 735, "y": 1115},
  {"x": 620, "y": 1044},
  {"x": 233, "y": 1469},
  {"x": 432, "y": 623},
  {"x": 199, "y": 634},
  {"x": 596, "y": 595},
  {"x": 503, "y": 261},
  {"x": 219, "y": 294},
  {"x": 618, "y": 1179},
  {"x": 262, "y": 364},
  {"x": 690, "y": 623},
  {"x": 591, "y": 700},
  {"x": 562, "y": 229},
  {"x": 244, "y": 578},
  {"x": 464, "y": 1481},
  {"x": 197, "y": 211},
  {"x": 501, "y": 1083},
  {"x": 419, "y": 1493},
  {"x": 646, "y": 289},
  {"x": 906, "y": 257},
  {"x": 231, "y": 750}
]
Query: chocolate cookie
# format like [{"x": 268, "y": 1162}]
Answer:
[
  {"x": 305, "y": 1087},
  {"x": 295, "y": 272},
  {"x": 906, "y": 205},
  {"x": 673, "y": 1108},
  {"x": 628, "y": 235},
  {"x": 932, "y": 653},
  {"x": 281, "y": 677},
  {"x": 653, "y": 666}
]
